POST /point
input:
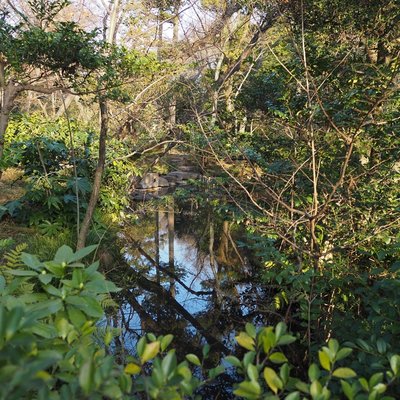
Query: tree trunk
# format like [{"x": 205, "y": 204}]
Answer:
[
  {"x": 8, "y": 94},
  {"x": 97, "y": 176}
]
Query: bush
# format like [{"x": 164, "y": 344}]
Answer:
[{"x": 51, "y": 314}]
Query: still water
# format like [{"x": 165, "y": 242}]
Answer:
[{"x": 190, "y": 275}]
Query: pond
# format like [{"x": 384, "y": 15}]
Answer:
[{"x": 189, "y": 275}]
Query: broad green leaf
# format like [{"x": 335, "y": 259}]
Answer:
[
  {"x": 205, "y": 350},
  {"x": 86, "y": 377},
  {"x": 31, "y": 261},
  {"x": 286, "y": 339},
  {"x": 82, "y": 253},
  {"x": 375, "y": 379},
  {"x": 150, "y": 351},
  {"x": 166, "y": 341},
  {"x": 347, "y": 390},
  {"x": 333, "y": 345},
  {"x": 343, "y": 353},
  {"x": 252, "y": 372},
  {"x": 251, "y": 330},
  {"x": 272, "y": 379},
  {"x": 76, "y": 316},
  {"x": 395, "y": 363},
  {"x": 324, "y": 360},
  {"x": 44, "y": 330},
  {"x": 169, "y": 363},
  {"x": 13, "y": 322},
  {"x": 45, "y": 278},
  {"x": 248, "y": 390},
  {"x": 101, "y": 286},
  {"x": 278, "y": 358},
  {"x": 88, "y": 305},
  {"x": 245, "y": 341},
  {"x": 314, "y": 372},
  {"x": 55, "y": 268},
  {"x": 344, "y": 373},
  {"x": 233, "y": 361},
  {"x": 280, "y": 329},
  {"x": 2, "y": 283},
  {"x": 63, "y": 327},
  {"x": 132, "y": 369},
  {"x": 64, "y": 255},
  {"x": 141, "y": 345},
  {"x": 293, "y": 396},
  {"x": 315, "y": 389},
  {"x": 193, "y": 359}
]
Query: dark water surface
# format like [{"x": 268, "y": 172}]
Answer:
[{"x": 190, "y": 276}]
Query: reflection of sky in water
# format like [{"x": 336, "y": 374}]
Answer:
[{"x": 193, "y": 269}]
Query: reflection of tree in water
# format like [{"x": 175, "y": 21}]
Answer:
[{"x": 187, "y": 273}]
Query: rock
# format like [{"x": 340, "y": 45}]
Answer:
[
  {"x": 149, "y": 181},
  {"x": 162, "y": 182},
  {"x": 179, "y": 176}
]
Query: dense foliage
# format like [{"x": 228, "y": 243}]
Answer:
[
  {"x": 290, "y": 111},
  {"x": 56, "y": 344}
]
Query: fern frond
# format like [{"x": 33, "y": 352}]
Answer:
[
  {"x": 107, "y": 301},
  {"x": 13, "y": 257}
]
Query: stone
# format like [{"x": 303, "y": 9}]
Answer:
[
  {"x": 162, "y": 182},
  {"x": 149, "y": 181}
]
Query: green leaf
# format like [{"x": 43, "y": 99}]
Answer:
[
  {"x": 315, "y": 389},
  {"x": 44, "y": 330},
  {"x": 286, "y": 339},
  {"x": 193, "y": 359},
  {"x": 2, "y": 283},
  {"x": 21, "y": 272},
  {"x": 280, "y": 330},
  {"x": 251, "y": 330},
  {"x": 45, "y": 278},
  {"x": 64, "y": 255},
  {"x": 324, "y": 360},
  {"x": 169, "y": 362},
  {"x": 252, "y": 372},
  {"x": 395, "y": 363},
  {"x": 150, "y": 351},
  {"x": 245, "y": 341},
  {"x": 86, "y": 377},
  {"x": 248, "y": 390},
  {"x": 314, "y": 372},
  {"x": 55, "y": 268},
  {"x": 141, "y": 345},
  {"x": 293, "y": 396},
  {"x": 233, "y": 361},
  {"x": 278, "y": 358},
  {"x": 272, "y": 379},
  {"x": 347, "y": 390},
  {"x": 344, "y": 373},
  {"x": 206, "y": 350},
  {"x": 82, "y": 253},
  {"x": 76, "y": 316},
  {"x": 132, "y": 369},
  {"x": 381, "y": 345},
  {"x": 31, "y": 261},
  {"x": 101, "y": 286},
  {"x": 88, "y": 305},
  {"x": 166, "y": 341},
  {"x": 343, "y": 353}
]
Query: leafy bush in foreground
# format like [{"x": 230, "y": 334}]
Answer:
[{"x": 50, "y": 315}]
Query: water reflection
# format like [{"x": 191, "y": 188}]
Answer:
[{"x": 188, "y": 277}]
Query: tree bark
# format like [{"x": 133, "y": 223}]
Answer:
[
  {"x": 94, "y": 196},
  {"x": 8, "y": 94}
]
